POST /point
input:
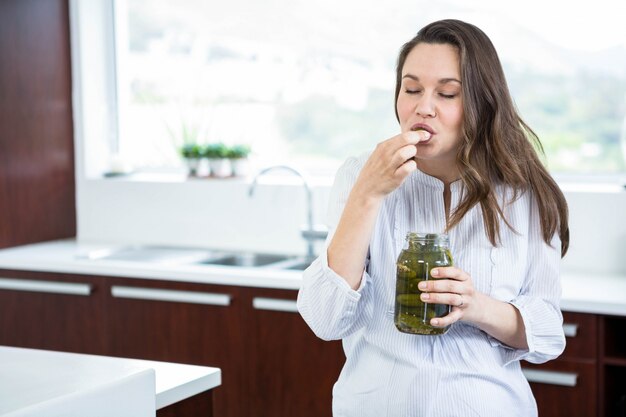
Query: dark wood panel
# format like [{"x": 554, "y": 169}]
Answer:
[
  {"x": 200, "y": 405},
  {"x": 37, "y": 189},
  {"x": 585, "y": 344},
  {"x": 612, "y": 366},
  {"x": 614, "y": 336},
  {"x": 291, "y": 371},
  {"x": 613, "y": 397},
  {"x": 70, "y": 323}
]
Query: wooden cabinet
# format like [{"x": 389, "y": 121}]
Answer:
[
  {"x": 52, "y": 311},
  {"x": 568, "y": 386},
  {"x": 272, "y": 364},
  {"x": 589, "y": 378},
  {"x": 291, "y": 372},
  {"x": 184, "y": 323}
]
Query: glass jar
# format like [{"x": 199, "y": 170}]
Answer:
[{"x": 422, "y": 252}]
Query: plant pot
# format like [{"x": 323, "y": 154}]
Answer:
[
  {"x": 220, "y": 168},
  {"x": 240, "y": 167},
  {"x": 192, "y": 166}
]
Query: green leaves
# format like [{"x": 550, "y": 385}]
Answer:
[{"x": 214, "y": 151}]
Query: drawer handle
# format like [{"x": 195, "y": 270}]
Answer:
[
  {"x": 193, "y": 297},
  {"x": 565, "y": 379},
  {"x": 570, "y": 329},
  {"x": 274, "y": 304},
  {"x": 49, "y": 287}
]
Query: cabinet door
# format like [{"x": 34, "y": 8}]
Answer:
[
  {"x": 180, "y": 322},
  {"x": 291, "y": 371},
  {"x": 51, "y": 311},
  {"x": 568, "y": 386},
  {"x": 37, "y": 191},
  {"x": 564, "y": 388}
]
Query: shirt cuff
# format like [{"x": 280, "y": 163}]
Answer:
[{"x": 340, "y": 281}]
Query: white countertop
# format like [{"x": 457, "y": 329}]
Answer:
[
  {"x": 38, "y": 382},
  {"x": 585, "y": 293},
  {"x": 67, "y": 256}
]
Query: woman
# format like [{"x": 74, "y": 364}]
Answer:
[{"x": 462, "y": 164}]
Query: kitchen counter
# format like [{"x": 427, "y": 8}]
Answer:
[
  {"x": 39, "y": 382},
  {"x": 584, "y": 293},
  {"x": 68, "y": 256}
]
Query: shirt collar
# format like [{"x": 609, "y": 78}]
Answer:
[{"x": 436, "y": 183}]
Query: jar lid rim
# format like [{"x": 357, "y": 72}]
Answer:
[{"x": 427, "y": 236}]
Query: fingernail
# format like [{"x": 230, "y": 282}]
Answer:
[
  {"x": 435, "y": 322},
  {"x": 422, "y": 285},
  {"x": 434, "y": 272},
  {"x": 425, "y": 296},
  {"x": 425, "y": 135}
]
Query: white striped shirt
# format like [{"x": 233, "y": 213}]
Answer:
[{"x": 464, "y": 372}]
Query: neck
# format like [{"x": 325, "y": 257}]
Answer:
[{"x": 443, "y": 171}]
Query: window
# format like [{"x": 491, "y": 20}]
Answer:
[{"x": 312, "y": 82}]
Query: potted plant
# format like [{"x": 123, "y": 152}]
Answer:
[
  {"x": 217, "y": 154},
  {"x": 192, "y": 154},
  {"x": 186, "y": 140},
  {"x": 239, "y": 162}
]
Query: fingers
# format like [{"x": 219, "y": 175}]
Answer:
[
  {"x": 449, "y": 272},
  {"x": 404, "y": 154},
  {"x": 390, "y": 163},
  {"x": 405, "y": 169},
  {"x": 392, "y": 145},
  {"x": 455, "y": 315},
  {"x": 453, "y": 299},
  {"x": 453, "y": 288}
]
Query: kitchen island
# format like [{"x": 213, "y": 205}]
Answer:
[{"x": 47, "y": 383}]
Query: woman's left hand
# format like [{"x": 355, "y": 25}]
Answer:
[{"x": 454, "y": 287}]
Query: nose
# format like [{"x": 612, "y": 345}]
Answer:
[{"x": 425, "y": 106}]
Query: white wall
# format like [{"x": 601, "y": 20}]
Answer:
[
  {"x": 205, "y": 213},
  {"x": 597, "y": 232},
  {"x": 219, "y": 214}
]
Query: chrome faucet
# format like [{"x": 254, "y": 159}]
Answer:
[{"x": 311, "y": 232}]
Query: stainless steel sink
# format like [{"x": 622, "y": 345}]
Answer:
[
  {"x": 164, "y": 255},
  {"x": 246, "y": 259}
]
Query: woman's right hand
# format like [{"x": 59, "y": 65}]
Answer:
[
  {"x": 390, "y": 163},
  {"x": 384, "y": 171}
]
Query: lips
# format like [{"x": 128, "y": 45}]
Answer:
[{"x": 423, "y": 126}]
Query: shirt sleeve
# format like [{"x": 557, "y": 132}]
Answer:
[
  {"x": 331, "y": 308},
  {"x": 539, "y": 299}
]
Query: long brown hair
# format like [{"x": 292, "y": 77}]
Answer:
[{"x": 497, "y": 146}]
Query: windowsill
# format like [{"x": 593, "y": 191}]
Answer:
[{"x": 180, "y": 178}]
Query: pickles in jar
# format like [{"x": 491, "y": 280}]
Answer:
[{"x": 422, "y": 253}]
